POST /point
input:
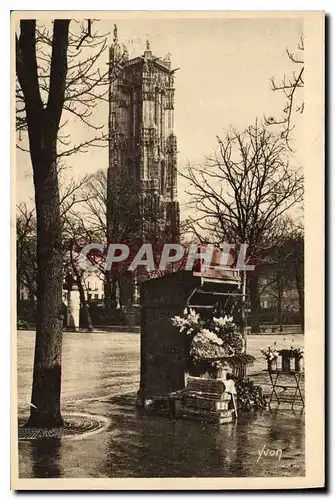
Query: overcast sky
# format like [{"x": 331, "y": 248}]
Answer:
[{"x": 223, "y": 80}]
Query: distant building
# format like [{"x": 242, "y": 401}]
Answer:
[
  {"x": 94, "y": 286},
  {"x": 290, "y": 301}
]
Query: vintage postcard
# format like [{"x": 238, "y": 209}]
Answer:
[{"x": 167, "y": 242}]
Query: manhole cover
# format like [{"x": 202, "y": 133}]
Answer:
[{"x": 76, "y": 425}]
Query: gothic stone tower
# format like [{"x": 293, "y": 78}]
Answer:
[{"x": 142, "y": 141}]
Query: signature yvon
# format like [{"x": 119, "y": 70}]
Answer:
[{"x": 266, "y": 451}]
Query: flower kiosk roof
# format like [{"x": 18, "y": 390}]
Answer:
[{"x": 162, "y": 345}]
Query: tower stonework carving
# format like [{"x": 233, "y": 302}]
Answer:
[{"x": 141, "y": 133}]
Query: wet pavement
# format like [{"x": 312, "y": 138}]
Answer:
[{"x": 101, "y": 377}]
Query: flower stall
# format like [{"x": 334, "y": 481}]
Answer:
[
  {"x": 190, "y": 338},
  {"x": 176, "y": 343},
  {"x": 212, "y": 346}
]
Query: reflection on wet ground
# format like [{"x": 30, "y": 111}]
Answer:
[
  {"x": 148, "y": 446},
  {"x": 101, "y": 376}
]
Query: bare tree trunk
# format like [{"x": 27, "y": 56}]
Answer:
[
  {"x": 18, "y": 276},
  {"x": 113, "y": 293},
  {"x": 43, "y": 123},
  {"x": 32, "y": 301},
  {"x": 298, "y": 264},
  {"x": 300, "y": 289},
  {"x": 82, "y": 296},
  {"x": 43, "y": 120},
  {"x": 45, "y": 410},
  {"x": 84, "y": 305},
  {"x": 280, "y": 305},
  {"x": 110, "y": 296},
  {"x": 254, "y": 301},
  {"x": 118, "y": 283}
]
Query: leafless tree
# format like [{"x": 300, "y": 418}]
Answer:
[
  {"x": 290, "y": 86},
  {"x": 131, "y": 220},
  {"x": 298, "y": 244},
  {"x": 277, "y": 276},
  {"x": 240, "y": 195},
  {"x": 26, "y": 268},
  {"x": 282, "y": 268},
  {"x": 71, "y": 195},
  {"x": 57, "y": 71},
  {"x": 73, "y": 241}
]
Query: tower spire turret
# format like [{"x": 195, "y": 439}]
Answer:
[
  {"x": 115, "y": 50},
  {"x": 147, "y": 52}
]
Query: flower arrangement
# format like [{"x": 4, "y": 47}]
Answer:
[
  {"x": 290, "y": 357},
  {"x": 210, "y": 345},
  {"x": 270, "y": 354},
  {"x": 297, "y": 353},
  {"x": 188, "y": 323},
  {"x": 249, "y": 395},
  {"x": 206, "y": 344}
]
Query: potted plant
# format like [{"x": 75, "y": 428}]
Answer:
[
  {"x": 271, "y": 355},
  {"x": 298, "y": 355}
]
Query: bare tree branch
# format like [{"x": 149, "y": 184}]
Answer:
[
  {"x": 241, "y": 193},
  {"x": 290, "y": 89},
  {"x": 84, "y": 86}
]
